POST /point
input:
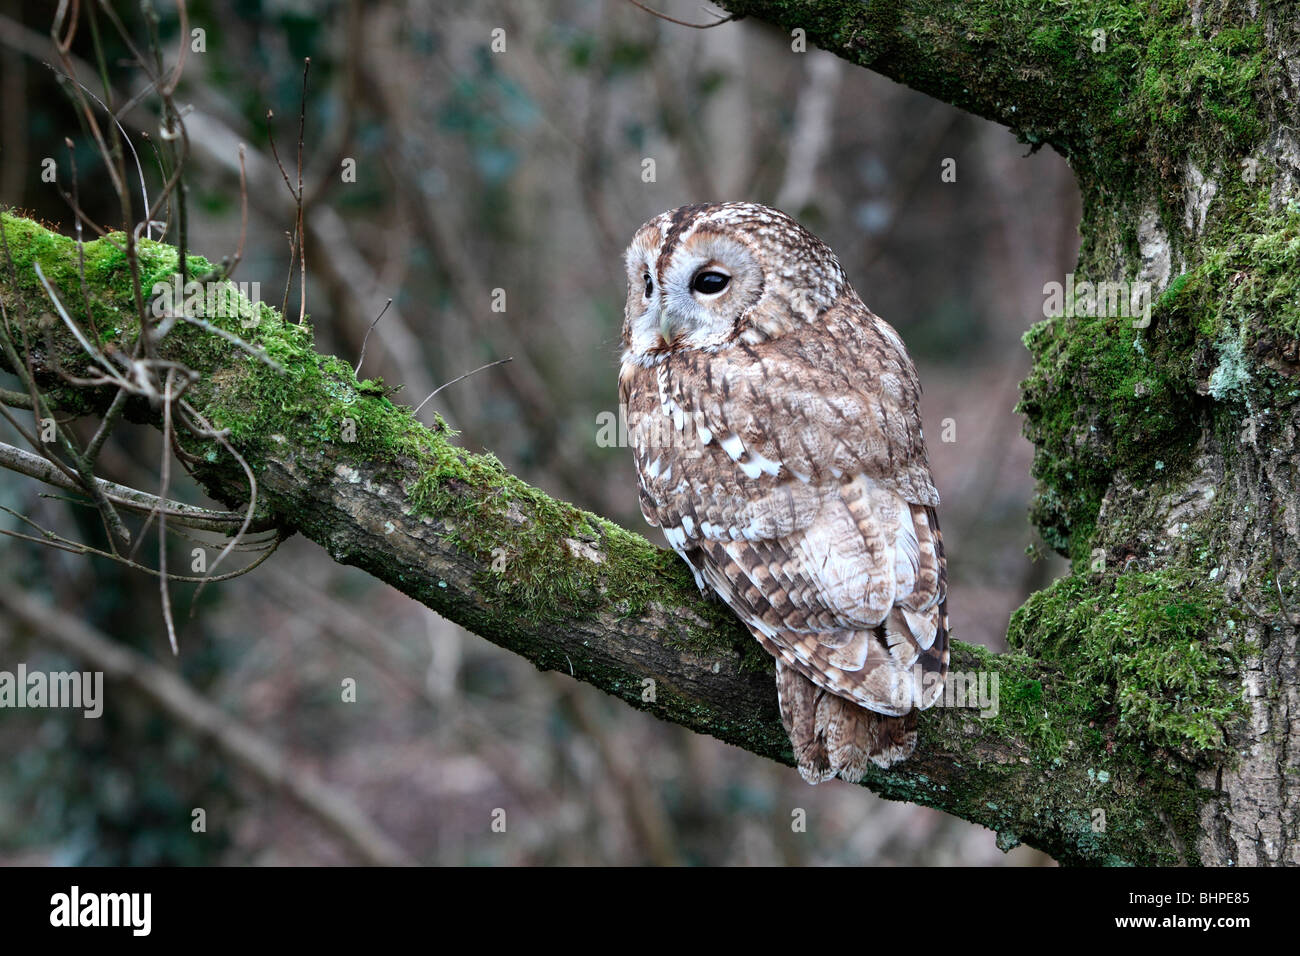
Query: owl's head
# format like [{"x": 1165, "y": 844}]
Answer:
[{"x": 708, "y": 276}]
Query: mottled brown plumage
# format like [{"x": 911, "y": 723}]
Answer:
[{"x": 776, "y": 427}]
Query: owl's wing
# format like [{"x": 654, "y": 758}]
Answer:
[
  {"x": 856, "y": 602},
  {"x": 718, "y": 437},
  {"x": 835, "y": 399}
]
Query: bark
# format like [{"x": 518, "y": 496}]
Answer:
[{"x": 1143, "y": 716}]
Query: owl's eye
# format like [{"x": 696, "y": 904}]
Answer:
[
  {"x": 649, "y": 286},
  {"x": 710, "y": 283}
]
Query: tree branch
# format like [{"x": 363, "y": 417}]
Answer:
[{"x": 1009, "y": 62}]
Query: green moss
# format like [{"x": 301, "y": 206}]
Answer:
[
  {"x": 1248, "y": 275},
  {"x": 1103, "y": 397},
  {"x": 1075, "y": 761},
  {"x": 1147, "y": 655},
  {"x": 1164, "y": 91},
  {"x": 250, "y": 398},
  {"x": 1189, "y": 78},
  {"x": 537, "y": 565}
]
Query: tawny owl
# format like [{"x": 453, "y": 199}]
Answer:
[{"x": 776, "y": 426}]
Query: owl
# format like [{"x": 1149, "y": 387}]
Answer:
[{"x": 776, "y": 428}]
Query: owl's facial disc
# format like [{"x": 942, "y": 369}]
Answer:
[
  {"x": 709, "y": 281},
  {"x": 708, "y": 276}
]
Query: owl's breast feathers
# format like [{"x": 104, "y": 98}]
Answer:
[{"x": 792, "y": 476}]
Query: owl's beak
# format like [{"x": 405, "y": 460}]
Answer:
[{"x": 665, "y": 326}]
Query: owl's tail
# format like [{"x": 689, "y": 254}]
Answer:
[{"x": 832, "y": 735}]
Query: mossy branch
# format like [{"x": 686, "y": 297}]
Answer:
[
  {"x": 1054, "y": 767},
  {"x": 1112, "y": 85}
]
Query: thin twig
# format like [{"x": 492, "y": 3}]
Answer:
[
  {"x": 81, "y": 247},
  {"x": 232, "y": 338},
  {"x": 42, "y": 469},
  {"x": 297, "y": 246},
  {"x": 85, "y": 472},
  {"x": 204, "y": 429},
  {"x": 366, "y": 338},
  {"x": 50, "y": 539},
  {"x": 243, "y": 215},
  {"x": 16, "y": 399},
  {"x": 139, "y": 169},
  {"x": 682, "y": 23},
  {"x": 302, "y": 233},
  {"x": 503, "y": 361},
  {"x": 165, "y": 485},
  {"x": 111, "y": 416}
]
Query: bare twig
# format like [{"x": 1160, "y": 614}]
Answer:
[
  {"x": 357, "y": 371},
  {"x": 232, "y": 338},
  {"x": 243, "y": 216},
  {"x": 198, "y": 424},
  {"x": 190, "y": 516},
  {"x": 302, "y": 235},
  {"x": 16, "y": 399},
  {"x": 135, "y": 157},
  {"x": 112, "y": 520},
  {"x": 296, "y": 249},
  {"x": 694, "y": 26},
  {"x": 457, "y": 379},
  {"x": 54, "y": 540},
  {"x": 162, "y": 513}
]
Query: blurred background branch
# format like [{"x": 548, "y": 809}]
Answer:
[{"x": 241, "y": 744}]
